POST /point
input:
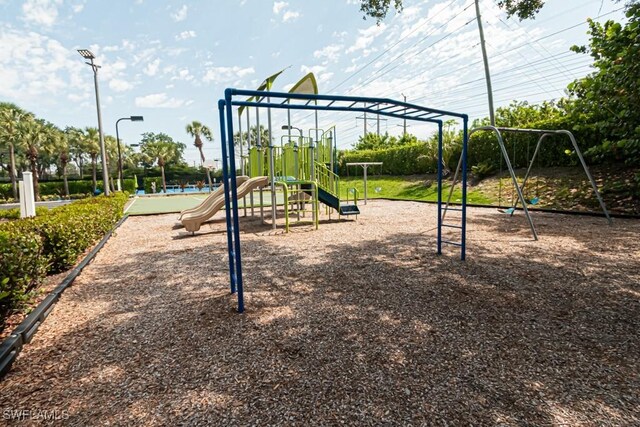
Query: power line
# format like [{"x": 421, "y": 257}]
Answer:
[
  {"x": 459, "y": 89},
  {"x": 499, "y": 55},
  {"x": 388, "y": 49},
  {"x": 378, "y": 73}
]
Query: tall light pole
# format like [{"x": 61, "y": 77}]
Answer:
[
  {"x": 133, "y": 119},
  {"x": 86, "y": 54},
  {"x": 485, "y": 59}
]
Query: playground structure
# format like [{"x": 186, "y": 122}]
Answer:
[
  {"x": 218, "y": 192},
  {"x": 326, "y": 181},
  {"x": 192, "y": 219},
  {"x": 302, "y": 167},
  {"x": 520, "y": 189}
]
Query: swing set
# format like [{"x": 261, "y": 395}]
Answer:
[
  {"x": 529, "y": 200},
  {"x": 520, "y": 189}
]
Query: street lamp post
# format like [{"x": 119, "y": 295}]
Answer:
[
  {"x": 133, "y": 119},
  {"x": 86, "y": 54},
  {"x": 287, "y": 127}
]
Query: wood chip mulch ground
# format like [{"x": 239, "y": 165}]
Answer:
[{"x": 358, "y": 323}]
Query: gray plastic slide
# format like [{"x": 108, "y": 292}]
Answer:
[
  {"x": 211, "y": 198},
  {"x": 193, "y": 221}
]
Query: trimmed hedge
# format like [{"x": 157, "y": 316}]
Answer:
[
  {"x": 403, "y": 160},
  {"x": 31, "y": 248},
  {"x": 56, "y": 188}
]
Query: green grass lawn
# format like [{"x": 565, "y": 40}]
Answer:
[
  {"x": 414, "y": 187},
  {"x": 565, "y": 188}
]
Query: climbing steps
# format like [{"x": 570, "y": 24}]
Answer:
[
  {"x": 329, "y": 191},
  {"x": 442, "y": 212}
]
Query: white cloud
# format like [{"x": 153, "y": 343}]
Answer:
[
  {"x": 367, "y": 36},
  {"x": 180, "y": 14},
  {"x": 330, "y": 52},
  {"x": 120, "y": 85},
  {"x": 158, "y": 100},
  {"x": 320, "y": 71},
  {"x": 152, "y": 67},
  {"x": 41, "y": 12},
  {"x": 278, "y": 6},
  {"x": 77, "y": 8},
  {"x": 226, "y": 74},
  {"x": 186, "y": 35},
  {"x": 183, "y": 74},
  {"x": 74, "y": 97},
  {"x": 290, "y": 15},
  {"x": 33, "y": 66}
]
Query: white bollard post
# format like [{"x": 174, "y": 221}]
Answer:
[{"x": 27, "y": 200}]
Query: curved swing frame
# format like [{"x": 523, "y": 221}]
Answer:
[{"x": 498, "y": 131}]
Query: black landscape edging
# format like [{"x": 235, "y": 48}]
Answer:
[{"x": 25, "y": 331}]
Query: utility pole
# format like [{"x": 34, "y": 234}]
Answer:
[
  {"x": 404, "y": 125},
  {"x": 365, "y": 118},
  {"x": 365, "y": 121},
  {"x": 485, "y": 59}
]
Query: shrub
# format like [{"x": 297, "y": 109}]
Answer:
[
  {"x": 404, "y": 160},
  {"x": 23, "y": 264},
  {"x": 51, "y": 242},
  {"x": 15, "y": 212}
]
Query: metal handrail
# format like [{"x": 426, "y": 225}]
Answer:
[
  {"x": 327, "y": 180},
  {"x": 354, "y": 191}
]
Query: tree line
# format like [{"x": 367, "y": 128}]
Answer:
[{"x": 30, "y": 143}]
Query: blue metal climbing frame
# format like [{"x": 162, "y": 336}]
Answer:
[{"x": 298, "y": 101}]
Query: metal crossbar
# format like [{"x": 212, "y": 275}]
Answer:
[{"x": 302, "y": 101}]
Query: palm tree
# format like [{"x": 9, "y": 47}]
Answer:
[
  {"x": 160, "y": 153},
  {"x": 92, "y": 145},
  {"x": 55, "y": 149},
  {"x": 197, "y": 129},
  {"x": 10, "y": 117},
  {"x": 62, "y": 148},
  {"x": 111, "y": 151},
  {"x": 33, "y": 135},
  {"x": 75, "y": 140}
]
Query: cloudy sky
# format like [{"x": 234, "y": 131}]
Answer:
[{"x": 171, "y": 60}]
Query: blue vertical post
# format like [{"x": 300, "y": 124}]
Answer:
[
  {"x": 234, "y": 200},
  {"x": 465, "y": 143},
  {"x": 439, "y": 240},
  {"x": 227, "y": 201}
]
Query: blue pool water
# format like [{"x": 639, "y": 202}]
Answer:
[{"x": 178, "y": 190}]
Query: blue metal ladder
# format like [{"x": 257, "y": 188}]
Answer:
[{"x": 462, "y": 208}]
